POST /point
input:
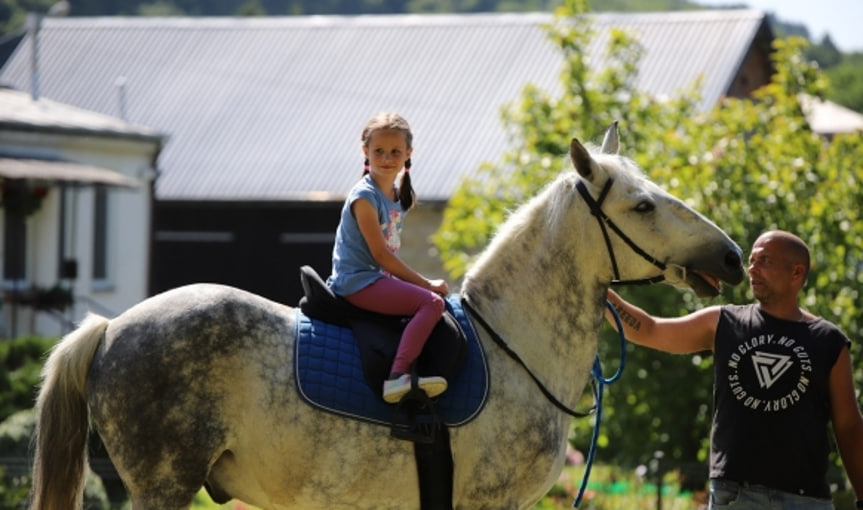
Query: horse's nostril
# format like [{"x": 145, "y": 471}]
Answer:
[{"x": 732, "y": 259}]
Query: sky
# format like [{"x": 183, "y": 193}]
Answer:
[{"x": 843, "y": 19}]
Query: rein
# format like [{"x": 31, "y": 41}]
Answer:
[
  {"x": 603, "y": 220},
  {"x": 601, "y": 382},
  {"x": 598, "y": 384},
  {"x": 512, "y": 354}
]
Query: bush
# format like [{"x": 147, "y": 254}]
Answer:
[
  {"x": 15, "y": 434},
  {"x": 21, "y": 360}
]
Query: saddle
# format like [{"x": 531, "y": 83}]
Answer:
[{"x": 378, "y": 335}]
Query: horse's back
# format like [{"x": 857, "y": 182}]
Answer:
[
  {"x": 176, "y": 373},
  {"x": 199, "y": 325}
]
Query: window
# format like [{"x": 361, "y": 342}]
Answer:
[
  {"x": 18, "y": 203},
  {"x": 100, "y": 234},
  {"x": 15, "y": 249}
]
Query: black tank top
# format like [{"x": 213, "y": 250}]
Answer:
[{"x": 771, "y": 400}]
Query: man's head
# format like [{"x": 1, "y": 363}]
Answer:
[{"x": 778, "y": 266}]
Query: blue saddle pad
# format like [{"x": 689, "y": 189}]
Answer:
[{"x": 329, "y": 375}]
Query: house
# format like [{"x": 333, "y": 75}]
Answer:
[
  {"x": 828, "y": 118},
  {"x": 75, "y": 216},
  {"x": 265, "y": 114}
]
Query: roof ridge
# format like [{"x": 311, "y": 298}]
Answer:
[{"x": 375, "y": 20}]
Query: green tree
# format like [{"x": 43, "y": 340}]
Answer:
[
  {"x": 159, "y": 9},
  {"x": 750, "y": 165},
  {"x": 825, "y": 53},
  {"x": 251, "y": 8},
  {"x": 540, "y": 128},
  {"x": 846, "y": 79},
  {"x": 755, "y": 165}
]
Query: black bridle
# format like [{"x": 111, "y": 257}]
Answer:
[{"x": 604, "y": 220}]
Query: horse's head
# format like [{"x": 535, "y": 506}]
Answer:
[{"x": 648, "y": 234}]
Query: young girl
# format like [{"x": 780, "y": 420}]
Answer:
[{"x": 367, "y": 271}]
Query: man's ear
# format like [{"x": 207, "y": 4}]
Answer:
[{"x": 798, "y": 270}]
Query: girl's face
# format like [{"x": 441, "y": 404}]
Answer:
[{"x": 387, "y": 150}]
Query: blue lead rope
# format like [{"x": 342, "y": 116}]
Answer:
[{"x": 601, "y": 382}]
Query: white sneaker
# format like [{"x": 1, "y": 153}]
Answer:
[{"x": 395, "y": 389}]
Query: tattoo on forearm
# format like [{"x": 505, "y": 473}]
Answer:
[{"x": 627, "y": 318}]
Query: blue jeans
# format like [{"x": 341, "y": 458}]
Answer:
[{"x": 725, "y": 494}]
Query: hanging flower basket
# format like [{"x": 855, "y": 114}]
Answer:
[{"x": 21, "y": 199}]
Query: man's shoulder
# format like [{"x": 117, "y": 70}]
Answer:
[
  {"x": 824, "y": 327},
  {"x": 738, "y": 314},
  {"x": 733, "y": 309}
]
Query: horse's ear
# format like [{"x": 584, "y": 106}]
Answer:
[
  {"x": 611, "y": 141},
  {"x": 581, "y": 160}
]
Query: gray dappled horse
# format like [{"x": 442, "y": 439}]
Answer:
[{"x": 195, "y": 386}]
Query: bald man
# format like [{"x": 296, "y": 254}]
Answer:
[{"x": 780, "y": 374}]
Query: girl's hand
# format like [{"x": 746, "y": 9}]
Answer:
[{"x": 439, "y": 287}]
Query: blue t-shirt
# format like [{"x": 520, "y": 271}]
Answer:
[{"x": 354, "y": 268}]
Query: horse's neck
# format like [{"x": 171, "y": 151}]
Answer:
[{"x": 543, "y": 297}]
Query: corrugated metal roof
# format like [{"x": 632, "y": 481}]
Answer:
[
  {"x": 272, "y": 108},
  {"x": 19, "y": 111}
]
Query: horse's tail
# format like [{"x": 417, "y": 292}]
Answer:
[{"x": 63, "y": 419}]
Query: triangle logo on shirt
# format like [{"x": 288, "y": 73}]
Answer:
[{"x": 769, "y": 367}]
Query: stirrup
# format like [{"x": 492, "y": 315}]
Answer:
[{"x": 423, "y": 419}]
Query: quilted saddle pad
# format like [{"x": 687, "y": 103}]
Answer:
[{"x": 329, "y": 375}]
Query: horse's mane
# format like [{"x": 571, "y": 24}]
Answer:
[{"x": 548, "y": 208}]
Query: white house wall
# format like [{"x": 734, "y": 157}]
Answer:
[{"x": 128, "y": 232}]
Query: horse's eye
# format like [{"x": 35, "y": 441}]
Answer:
[{"x": 645, "y": 207}]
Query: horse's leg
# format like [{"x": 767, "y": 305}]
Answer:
[
  {"x": 162, "y": 470},
  {"x": 159, "y": 414},
  {"x": 162, "y": 458}
]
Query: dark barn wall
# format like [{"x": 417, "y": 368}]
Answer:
[{"x": 256, "y": 246}]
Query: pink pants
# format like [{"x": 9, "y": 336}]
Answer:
[{"x": 392, "y": 296}]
